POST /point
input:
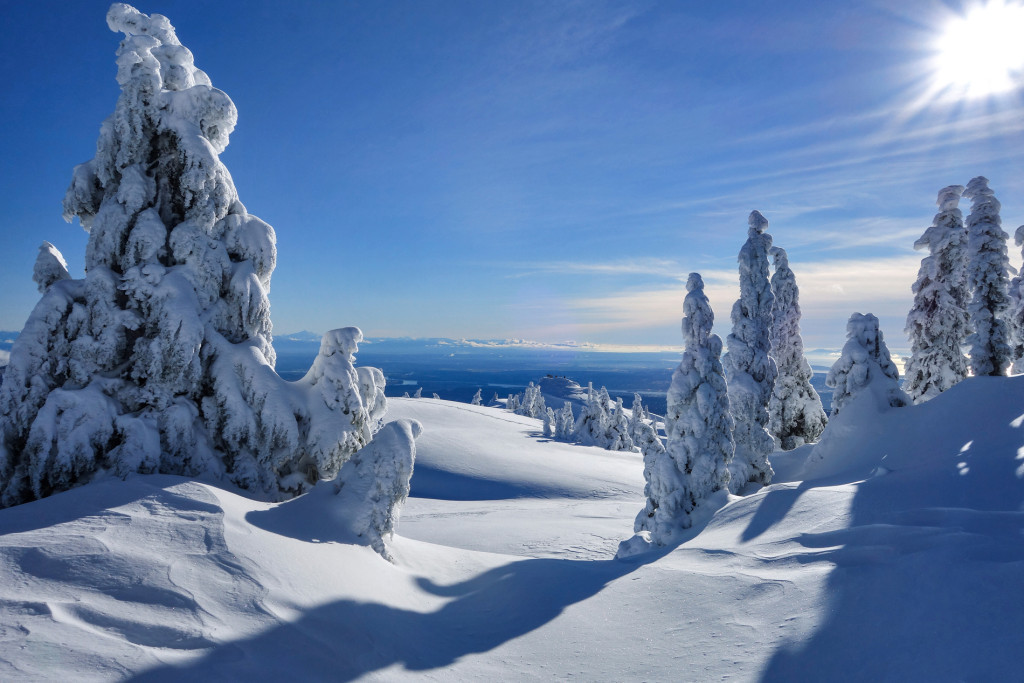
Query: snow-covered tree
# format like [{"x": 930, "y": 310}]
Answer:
[
  {"x": 477, "y": 398},
  {"x": 436, "y": 397},
  {"x": 698, "y": 425},
  {"x": 642, "y": 431},
  {"x": 865, "y": 366},
  {"x": 795, "y": 413},
  {"x": 1016, "y": 314},
  {"x": 988, "y": 277},
  {"x": 748, "y": 366},
  {"x": 374, "y": 483},
  {"x": 160, "y": 359},
  {"x": 618, "y": 435},
  {"x": 419, "y": 393},
  {"x": 937, "y": 323},
  {"x": 549, "y": 423},
  {"x": 565, "y": 423}
]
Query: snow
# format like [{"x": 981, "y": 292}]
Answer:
[{"x": 896, "y": 557}]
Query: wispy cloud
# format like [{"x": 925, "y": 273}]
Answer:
[
  {"x": 666, "y": 268},
  {"x": 828, "y": 290}
]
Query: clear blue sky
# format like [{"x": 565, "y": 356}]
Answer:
[{"x": 544, "y": 170}]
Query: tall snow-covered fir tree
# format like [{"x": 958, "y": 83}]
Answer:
[
  {"x": 988, "y": 277},
  {"x": 698, "y": 426},
  {"x": 750, "y": 369},
  {"x": 937, "y": 323},
  {"x": 795, "y": 413},
  {"x": 865, "y": 366},
  {"x": 1016, "y": 314},
  {"x": 160, "y": 359}
]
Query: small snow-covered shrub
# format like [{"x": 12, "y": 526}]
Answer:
[{"x": 865, "y": 367}]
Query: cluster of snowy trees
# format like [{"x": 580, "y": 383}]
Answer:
[
  {"x": 964, "y": 296},
  {"x": 160, "y": 359},
  {"x": 602, "y": 422},
  {"x": 726, "y": 415}
]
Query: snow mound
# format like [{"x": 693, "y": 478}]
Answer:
[{"x": 891, "y": 551}]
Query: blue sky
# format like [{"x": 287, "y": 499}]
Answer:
[{"x": 543, "y": 170}]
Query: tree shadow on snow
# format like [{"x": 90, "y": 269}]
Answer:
[
  {"x": 346, "y": 639},
  {"x": 774, "y": 507},
  {"x": 926, "y": 579}
]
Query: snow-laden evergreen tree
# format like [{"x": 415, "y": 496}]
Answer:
[
  {"x": 529, "y": 403},
  {"x": 549, "y": 423},
  {"x": 419, "y": 393},
  {"x": 750, "y": 369},
  {"x": 698, "y": 426},
  {"x": 477, "y": 398},
  {"x": 565, "y": 423},
  {"x": 795, "y": 413},
  {"x": 160, "y": 359},
  {"x": 642, "y": 431},
  {"x": 1016, "y": 314},
  {"x": 618, "y": 435},
  {"x": 436, "y": 397},
  {"x": 601, "y": 424},
  {"x": 865, "y": 366},
  {"x": 988, "y": 277},
  {"x": 937, "y": 322}
]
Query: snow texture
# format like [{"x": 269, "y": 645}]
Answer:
[
  {"x": 937, "y": 324},
  {"x": 1016, "y": 313},
  {"x": 865, "y": 367},
  {"x": 750, "y": 370},
  {"x": 160, "y": 359},
  {"x": 911, "y": 573},
  {"x": 796, "y": 415},
  {"x": 698, "y": 427},
  {"x": 988, "y": 277},
  {"x": 50, "y": 267}
]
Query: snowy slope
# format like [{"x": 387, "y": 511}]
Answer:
[{"x": 898, "y": 557}]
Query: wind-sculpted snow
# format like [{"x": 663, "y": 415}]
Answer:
[
  {"x": 895, "y": 555},
  {"x": 160, "y": 359}
]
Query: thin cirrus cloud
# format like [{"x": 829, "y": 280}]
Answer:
[{"x": 828, "y": 289}]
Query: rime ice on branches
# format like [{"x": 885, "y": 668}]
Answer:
[{"x": 160, "y": 359}]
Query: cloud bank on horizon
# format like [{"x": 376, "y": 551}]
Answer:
[{"x": 538, "y": 171}]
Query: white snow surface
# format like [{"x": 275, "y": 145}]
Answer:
[{"x": 893, "y": 550}]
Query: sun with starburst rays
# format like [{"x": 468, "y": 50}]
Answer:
[{"x": 980, "y": 52}]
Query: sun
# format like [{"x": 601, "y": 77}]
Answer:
[{"x": 981, "y": 52}]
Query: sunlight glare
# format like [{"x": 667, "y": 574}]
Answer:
[{"x": 982, "y": 52}]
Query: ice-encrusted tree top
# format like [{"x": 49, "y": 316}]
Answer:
[{"x": 161, "y": 360}]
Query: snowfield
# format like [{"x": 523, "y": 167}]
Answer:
[{"x": 894, "y": 550}]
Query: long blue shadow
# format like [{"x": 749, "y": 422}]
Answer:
[{"x": 346, "y": 639}]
